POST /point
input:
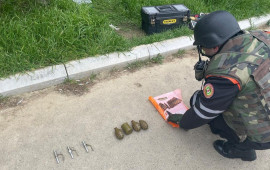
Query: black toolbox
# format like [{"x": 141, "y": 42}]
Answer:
[{"x": 160, "y": 18}]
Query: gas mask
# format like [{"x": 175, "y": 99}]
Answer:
[{"x": 200, "y": 67}]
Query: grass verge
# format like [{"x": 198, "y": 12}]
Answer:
[{"x": 36, "y": 35}]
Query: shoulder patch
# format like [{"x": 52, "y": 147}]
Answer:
[{"x": 208, "y": 90}]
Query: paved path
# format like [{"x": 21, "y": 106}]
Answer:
[{"x": 52, "y": 121}]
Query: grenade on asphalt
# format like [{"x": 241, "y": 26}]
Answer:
[
  {"x": 143, "y": 124},
  {"x": 118, "y": 133},
  {"x": 136, "y": 126},
  {"x": 126, "y": 128}
]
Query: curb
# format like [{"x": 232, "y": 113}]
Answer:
[
  {"x": 52, "y": 75},
  {"x": 84, "y": 67}
]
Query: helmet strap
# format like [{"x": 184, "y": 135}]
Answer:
[
  {"x": 203, "y": 54},
  {"x": 200, "y": 52}
]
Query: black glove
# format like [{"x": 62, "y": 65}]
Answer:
[{"x": 175, "y": 118}]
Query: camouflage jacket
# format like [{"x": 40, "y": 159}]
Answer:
[{"x": 245, "y": 60}]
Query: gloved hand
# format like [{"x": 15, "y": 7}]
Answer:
[{"x": 175, "y": 118}]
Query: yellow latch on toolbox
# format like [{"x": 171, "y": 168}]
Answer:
[{"x": 169, "y": 21}]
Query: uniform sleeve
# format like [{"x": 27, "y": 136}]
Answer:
[{"x": 205, "y": 105}]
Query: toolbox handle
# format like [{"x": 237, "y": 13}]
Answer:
[{"x": 165, "y": 8}]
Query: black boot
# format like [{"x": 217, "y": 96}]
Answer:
[{"x": 229, "y": 150}]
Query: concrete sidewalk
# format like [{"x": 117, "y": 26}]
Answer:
[
  {"x": 49, "y": 76},
  {"x": 52, "y": 121}
]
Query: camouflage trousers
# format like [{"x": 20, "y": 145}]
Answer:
[{"x": 219, "y": 127}]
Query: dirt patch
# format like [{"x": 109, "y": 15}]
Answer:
[
  {"x": 74, "y": 87},
  {"x": 6, "y": 102},
  {"x": 21, "y": 100},
  {"x": 130, "y": 31}
]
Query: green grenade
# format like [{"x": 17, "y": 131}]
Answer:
[
  {"x": 136, "y": 126},
  {"x": 126, "y": 128},
  {"x": 118, "y": 133},
  {"x": 143, "y": 124}
]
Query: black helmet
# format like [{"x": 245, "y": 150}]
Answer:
[{"x": 215, "y": 29}]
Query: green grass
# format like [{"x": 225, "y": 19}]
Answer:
[{"x": 35, "y": 35}]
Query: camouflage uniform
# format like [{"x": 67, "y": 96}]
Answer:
[{"x": 245, "y": 60}]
